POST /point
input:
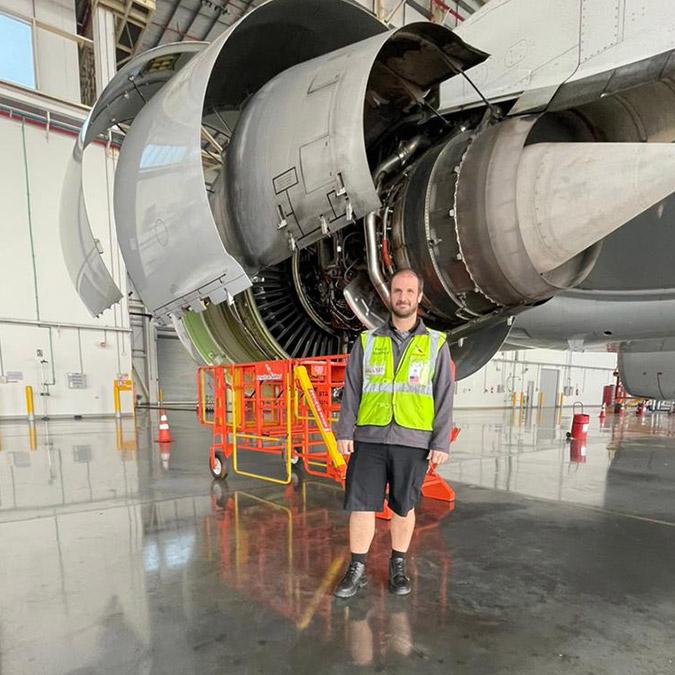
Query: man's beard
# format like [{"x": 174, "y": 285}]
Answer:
[{"x": 404, "y": 313}]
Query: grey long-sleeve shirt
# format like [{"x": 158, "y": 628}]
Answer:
[{"x": 393, "y": 434}]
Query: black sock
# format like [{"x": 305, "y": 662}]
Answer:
[
  {"x": 359, "y": 557},
  {"x": 397, "y": 555}
]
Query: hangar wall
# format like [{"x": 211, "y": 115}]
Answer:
[
  {"x": 39, "y": 308},
  {"x": 584, "y": 374}
]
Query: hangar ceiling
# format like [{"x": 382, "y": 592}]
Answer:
[{"x": 143, "y": 24}]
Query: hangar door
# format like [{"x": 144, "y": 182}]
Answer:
[
  {"x": 177, "y": 371},
  {"x": 548, "y": 386}
]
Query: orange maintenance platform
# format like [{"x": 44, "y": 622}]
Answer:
[{"x": 283, "y": 408}]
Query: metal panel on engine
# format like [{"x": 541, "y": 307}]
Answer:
[
  {"x": 299, "y": 154},
  {"x": 124, "y": 96},
  {"x": 305, "y": 166},
  {"x": 166, "y": 230},
  {"x": 647, "y": 368}
]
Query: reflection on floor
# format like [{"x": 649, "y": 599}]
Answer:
[{"x": 116, "y": 556}]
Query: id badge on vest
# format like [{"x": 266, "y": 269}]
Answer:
[{"x": 416, "y": 372}]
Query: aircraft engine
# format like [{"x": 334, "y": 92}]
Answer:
[
  {"x": 647, "y": 368},
  {"x": 270, "y": 183}
]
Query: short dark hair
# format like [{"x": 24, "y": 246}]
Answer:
[{"x": 407, "y": 270}]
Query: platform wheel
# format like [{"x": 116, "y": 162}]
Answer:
[
  {"x": 218, "y": 466},
  {"x": 295, "y": 458}
]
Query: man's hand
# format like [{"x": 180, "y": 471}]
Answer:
[
  {"x": 436, "y": 456},
  {"x": 345, "y": 447}
]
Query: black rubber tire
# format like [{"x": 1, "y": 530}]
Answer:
[
  {"x": 294, "y": 460},
  {"x": 219, "y": 471}
]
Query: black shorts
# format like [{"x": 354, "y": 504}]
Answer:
[{"x": 373, "y": 466}]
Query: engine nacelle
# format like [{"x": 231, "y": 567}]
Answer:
[
  {"x": 270, "y": 183},
  {"x": 647, "y": 368}
]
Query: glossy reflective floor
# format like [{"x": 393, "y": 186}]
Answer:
[{"x": 118, "y": 558}]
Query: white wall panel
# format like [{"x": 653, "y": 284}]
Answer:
[
  {"x": 57, "y": 58},
  {"x": 17, "y": 298},
  {"x": 105, "y": 351},
  {"x": 24, "y": 7},
  {"x": 100, "y": 365},
  {"x": 46, "y": 156},
  {"x": 586, "y": 372}
]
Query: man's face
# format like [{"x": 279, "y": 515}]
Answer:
[{"x": 405, "y": 295}]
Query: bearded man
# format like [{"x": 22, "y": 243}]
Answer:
[{"x": 395, "y": 419}]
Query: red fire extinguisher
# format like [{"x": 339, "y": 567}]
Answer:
[{"x": 580, "y": 422}]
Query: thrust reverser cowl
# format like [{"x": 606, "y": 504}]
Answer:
[
  {"x": 297, "y": 165},
  {"x": 175, "y": 252},
  {"x": 125, "y": 95},
  {"x": 170, "y": 242}
]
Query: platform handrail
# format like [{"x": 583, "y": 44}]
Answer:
[
  {"x": 201, "y": 396},
  {"x": 262, "y": 437},
  {"x": 284, "y": 409},
  {"x": 302, "y": 376}
]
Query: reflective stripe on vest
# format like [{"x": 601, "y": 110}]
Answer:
[{"x": 405, "y": 395}]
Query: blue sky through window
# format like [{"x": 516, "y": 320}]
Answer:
[{"x": 16, "y": 52}]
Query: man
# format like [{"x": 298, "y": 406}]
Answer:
[{"x": 395, "y": 418}]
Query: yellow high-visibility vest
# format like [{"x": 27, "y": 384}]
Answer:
[{"x": 405, "y": 395}]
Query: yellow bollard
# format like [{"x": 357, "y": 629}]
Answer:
[
  {"x": 116, "y": 399},
  {"x": 513, "y": 399},
  {"x": 541, "y": 399},
  {"x": 119, "y": 385},
  {"x": 560, "y": 400},
  {"x": 522, "y": 399},
  {"x": 29, "y": 404}
]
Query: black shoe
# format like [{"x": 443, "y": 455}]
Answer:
[
  {"x": 354, "y": 578},
  {"x": 398, "y": 581}
]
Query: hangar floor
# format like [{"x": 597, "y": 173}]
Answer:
[{"x": 116, "y": 559}]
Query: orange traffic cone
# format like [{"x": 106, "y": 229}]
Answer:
[{"x": 164, "y": 433}]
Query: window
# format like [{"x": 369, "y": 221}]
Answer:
[{"x": 16, "y": 51}]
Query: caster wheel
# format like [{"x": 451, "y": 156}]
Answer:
[
  {"x": 218, "y": 466},
  {"x": 294, "y": 458}
]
